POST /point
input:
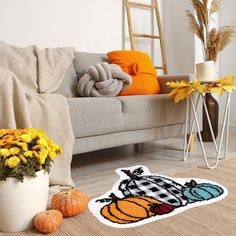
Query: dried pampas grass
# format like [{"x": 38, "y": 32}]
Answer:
[{"x": 213, "y": 40}]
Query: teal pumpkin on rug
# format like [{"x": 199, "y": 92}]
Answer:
[
  {"x": 140, "y": 197},
  {"x": 201, "y": 192}
]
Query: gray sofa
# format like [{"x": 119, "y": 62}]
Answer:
[{"x": 100, "y": 123}]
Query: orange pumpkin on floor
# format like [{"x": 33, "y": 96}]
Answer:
[
  {"x": 48, "y": 221},
  {"x": 70, "y": 202},
  {"x": 131, "y": 209}
]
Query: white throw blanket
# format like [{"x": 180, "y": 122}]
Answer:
[{"x": 27, "y": 77}]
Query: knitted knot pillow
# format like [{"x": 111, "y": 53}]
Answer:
[{"x": 139, "y": 66}]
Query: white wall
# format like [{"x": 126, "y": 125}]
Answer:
[
  {"x": 227, "y": 60},
  {"x": 227, "y": 57},
  {"x": 179, "y": 41},
  {"x": 91, "y": 25}
]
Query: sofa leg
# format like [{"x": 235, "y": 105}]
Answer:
[{"x": 138, "y": 147}]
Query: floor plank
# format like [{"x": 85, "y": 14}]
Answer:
[{"x": 94, "y": 172}]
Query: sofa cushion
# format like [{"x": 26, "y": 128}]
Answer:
[
  {"x": 149, "y": 111},
  {"x": 68, "y": 87},
  {"x": 139, "y": 66},
  {"x": 95, "y": 116},
  {"x": 83, "y": 60}
]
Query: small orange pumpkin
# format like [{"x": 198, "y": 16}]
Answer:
[
  {"x": 70, "y": 202},
  {"x": 129, "y": 209},
  {"x": 48, "y": 221}
]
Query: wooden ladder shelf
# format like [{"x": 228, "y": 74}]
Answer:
[{"x": 153, "y": 7}]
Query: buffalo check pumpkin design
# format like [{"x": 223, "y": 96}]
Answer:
[
  {"x": 157, "y": 187},
  {"x": 140, "y": 197}
]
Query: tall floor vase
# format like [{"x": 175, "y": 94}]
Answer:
[{"x": 213, "y": 110}]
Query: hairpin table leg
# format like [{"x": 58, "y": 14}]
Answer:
[
  {"x": 195, "y": 121},
  {"x": 225, "y": 124}
]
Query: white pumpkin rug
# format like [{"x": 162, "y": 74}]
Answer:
[{"x": 140, "y": 197}]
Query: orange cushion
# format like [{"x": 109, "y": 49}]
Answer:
[{"x": 140, "y": 67}]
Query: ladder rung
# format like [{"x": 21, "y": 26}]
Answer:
[
  {"x": 160, "y": 67},
  {"x": 137, "y": 4},
  {"x": 151, "y": 36},
  {"x": 154, "y": 8}
]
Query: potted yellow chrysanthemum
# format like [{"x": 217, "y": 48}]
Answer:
[{"x": 26, "y": 156}]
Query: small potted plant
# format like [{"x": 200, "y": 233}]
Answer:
[{"x": 26, "y": 156}]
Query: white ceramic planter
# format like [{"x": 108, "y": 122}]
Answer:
[
  {"x": 205, "y": 72},
  {"x": 20, "y": 202}
]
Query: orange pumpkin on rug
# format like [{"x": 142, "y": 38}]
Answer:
[
  {"x": 48, "y": 221},
  {"x": 70, "y": 202},
  {"x": 132, "y": 209}
]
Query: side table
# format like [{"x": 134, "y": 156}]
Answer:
[{"x": 192, "y": 109}]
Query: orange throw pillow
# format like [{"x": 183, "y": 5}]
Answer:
[{"x": 139, "y": 66}]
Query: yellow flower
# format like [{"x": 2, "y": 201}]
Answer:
[
  {"x": 36, "y": 147},
  {"x": 3, "y": 132},
  {"x": 42, "y": 156},
  {"x": 14, "y": 150},
  {"x": 12, "y": 161},
  {"x": 33, "y": 132},
  {"x": 5, "y": 152},
  {"x": 55, "y": 147},
  {"x": 23, "y": 145},
  {"x": 52, "y": 155},
  {"x": 36, "y": 154},
  {"x": 23, "y": 159},
  {"x": 42, "y": 142},
  {"x": 26, "y": 138},
  {"x": 28, "y": 154}
]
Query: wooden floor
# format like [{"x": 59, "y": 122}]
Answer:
[{"x": 94, "y": 172}]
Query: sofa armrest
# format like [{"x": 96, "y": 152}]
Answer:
[{"x": 163, "y": 79}]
